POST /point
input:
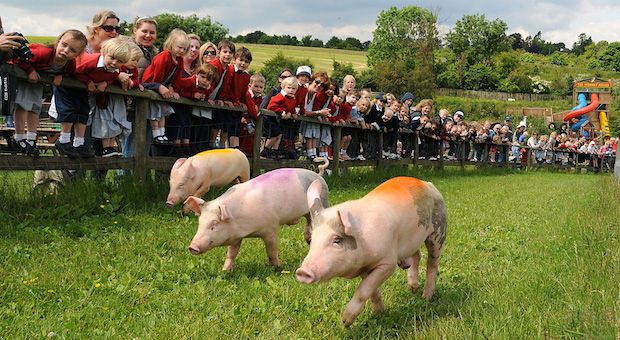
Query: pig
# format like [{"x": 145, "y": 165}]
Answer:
[
  {"x": 370, "y": 236},
  {"x": 256, "y": 208},
  {"x": 195, "y": 175}
]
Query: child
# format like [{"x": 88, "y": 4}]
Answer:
[
  {"x": 339, "y": 116},
  {"x": 57, "y": 60},
  {"x": 109, "y": 112},
  {"x": 97, "y": 71},
  {"x": 165, "y": 69},
  {"x": 284, "y": 103},
  {"x": 226, "y": 54},
  {"x": 199, "y": 87},
  {"x": 315, "y": 105},
  {"x": 237, "y": 82},
  {"x": 253, "y": 99},
  {"x": 272, "y": 131},
  {"x": 389, "y": 125}
]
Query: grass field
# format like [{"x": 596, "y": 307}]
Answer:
[
  {"x": 322, "y": 58},
  {"x": 528, "y": 255}
]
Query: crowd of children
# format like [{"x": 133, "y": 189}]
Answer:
[{"x": 219, "y": 74}]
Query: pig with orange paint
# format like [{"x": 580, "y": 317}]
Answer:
[
  {"x": 194, "y": 176},
  {"x": 371, "y": 236}
]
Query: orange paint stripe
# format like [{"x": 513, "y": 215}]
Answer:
[
  {"x": 399, "y": 188},
  {"x": 214, "y": 152}
]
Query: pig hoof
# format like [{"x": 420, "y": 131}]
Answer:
[
  {"x": 427, "y": 295},
  {"x": 414, "y": 287}
]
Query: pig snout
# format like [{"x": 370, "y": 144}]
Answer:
[
  {"x": 194, "y": 250},
  {"x": 305, "y": 276},
  {"x": 171, "y": 201}
]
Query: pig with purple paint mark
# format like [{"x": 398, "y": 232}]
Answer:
[
  {"x": 256, "y": 208},
  {"x": 371, "y": 236}
]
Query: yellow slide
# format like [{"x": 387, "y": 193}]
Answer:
[{"x": 602, "y": 117}]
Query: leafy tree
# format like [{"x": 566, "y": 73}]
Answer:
[
  {"x": 480, "y": 77},
  {"x": 351, "y": 43},
  {"x": 506, "y": 62},
  {"x": 366, "y": 79},
  {"x": 610, "y": 58},
  {"x": 558, "y": 58},
  {"x": 254, "y": 37},
  {"x": 204, "y": 27},
  {"x": 334, "y": 42},
  {"x": 478, "y": 39},
  {"x": 423, "y": 75},
  {"x": 275, "y": 64},
  {"x": 517, "y": 41},
  {"x": 316, "y": 43},
  {"x": 393, "y": 76},
  {"x": 398, "y": 34},
  {"x": 579, "y": 47},
  {"x": 306, "y": 40},
  {"x": 341, "y": 70}
]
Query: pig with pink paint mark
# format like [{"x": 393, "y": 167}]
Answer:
[
  {"x": 256, "y": 208},
  {"x": 194, "y": 176},
  {"x": 371, "y": 236}
]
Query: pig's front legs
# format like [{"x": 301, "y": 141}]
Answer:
[
  {"x": 308, "y": 229},
  {"x": 233, "y": 250},
  {"x": 413, "y": 273},
  {"x": 369, "y": 287},
  {"x": 271, "y": 245}
]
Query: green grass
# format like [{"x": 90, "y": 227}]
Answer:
[{"x": 528, "y": 255}]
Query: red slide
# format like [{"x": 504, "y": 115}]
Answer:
[{"x": 591, "y": 107}]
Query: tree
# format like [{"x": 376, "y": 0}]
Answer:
[
  {"x": 393, "y": 76},
  {"x": 306, "y": 40},
  {"x": 316, "y": 43},
  {"x": 206, "y": 29},
  {"x": 579, "y": 47},
  {"x": 351, "y": 43},
  {"x": 398, "y": 34},
  {"x": 478, "y": 39},
  {"x": 334, "y": 42},
  {"x": 610, "y": 58},
  {"x": 341, "y": 70},
  {"x": 517, "y": 41},
  {"x": 254, "y": 37}
]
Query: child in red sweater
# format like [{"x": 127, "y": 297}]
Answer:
[
  {"x": 284, "y": 103},
  {"x": 57, "y": 60},
  {"x": 226, "y": 52},
  {"x": 236, "y": 86},
  {"x": 253, "y": 99},
  {"x": 163, "y": 71}
]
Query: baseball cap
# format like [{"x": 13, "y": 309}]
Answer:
[
  {"x": 459, "y": 113},
  {"x": 507, "y": 119},
  {"x": 304, "y": 70}
]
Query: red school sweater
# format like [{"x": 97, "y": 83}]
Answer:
[
  {"x": 253, "y": 103},
  {"x": 187, "y": 87},
  {"x": 281, "y": 103},
  {"x": 161, "y": 68},
  {"x": 42, "y": 60}
]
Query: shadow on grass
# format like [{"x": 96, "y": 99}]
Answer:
[{"x": 411, "y": 313}]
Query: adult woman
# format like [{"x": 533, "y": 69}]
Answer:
[
  {"x": 104, "y": 26},
  {"x": 145, "y": 35},
  {"x": 207, "y": 52}
]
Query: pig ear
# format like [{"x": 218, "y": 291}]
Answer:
[
  {"x": 224, "y": 213},
  {"x": 178, "y": 163},
  {"x": 194, "y": 203},
  {"x": 348, "y": 223},
  {"x": 317, "y": 197}
]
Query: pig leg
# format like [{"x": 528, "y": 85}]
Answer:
[
  {"x": 369, "y": 287},
  {"x": 271, "y": 244},
  {"x": 233, "y": 250},
  {"x": 432, "y": 268},
  {"x": 308, "y": 229},
  {"x": 413, "y": 273}
]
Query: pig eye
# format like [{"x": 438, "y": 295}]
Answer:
[{"x": 337, "y": 240}]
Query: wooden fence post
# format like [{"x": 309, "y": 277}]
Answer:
[
  {"x": 139, "y": 131},
  {"x": 335, "y": 146},
  {"x": 380, "y": 149},
  {"x": 416, "y": 147},
  {"x": 258, "y": 136}
]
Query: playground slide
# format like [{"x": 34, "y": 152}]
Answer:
[
  {"x": 581, "y": 122},
  {"x": 602, "y": 116},
  {"x": 581, "y": 100},
  {"x": 588, "y": 108}
]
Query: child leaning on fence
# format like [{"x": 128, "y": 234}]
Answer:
[
  {"x": 56, "y": 60},
  {"x": 159, "y": 76},
  {"x": 315, "y": 105},
  {"x": 108, "y": 118}
]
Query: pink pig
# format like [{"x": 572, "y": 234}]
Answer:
[
  {"x": 256, "y": 208},
  {"x": 370, "y": 236},
  {"x": 195, "y": 175}
]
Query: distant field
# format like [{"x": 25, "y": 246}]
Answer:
[{"x": 322, "y": 58}]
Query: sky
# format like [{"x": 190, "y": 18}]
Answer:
[{"x": 558, "y": 20}]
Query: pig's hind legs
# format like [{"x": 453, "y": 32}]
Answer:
[
  {"x": 413, "y": 273},
  {"x": 432, "y": 267}
]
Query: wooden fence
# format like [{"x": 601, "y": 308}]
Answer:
[{"x": 141, "y": 163}]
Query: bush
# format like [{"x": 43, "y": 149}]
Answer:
[
  {"x": 341, "y": 70},
  {"x": 558, "y": 58},
  {"x": 275, "y": 64},
  {"x": 480, "y": 77},
  {"x": 367, "y": 79}
]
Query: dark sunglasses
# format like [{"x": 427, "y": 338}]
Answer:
[
  {"x": 110, "y": 28},
  {"x": 284, "y": 77},
  {"x": 210, "y": 53},
  {"x": 317, "y": 81}
]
